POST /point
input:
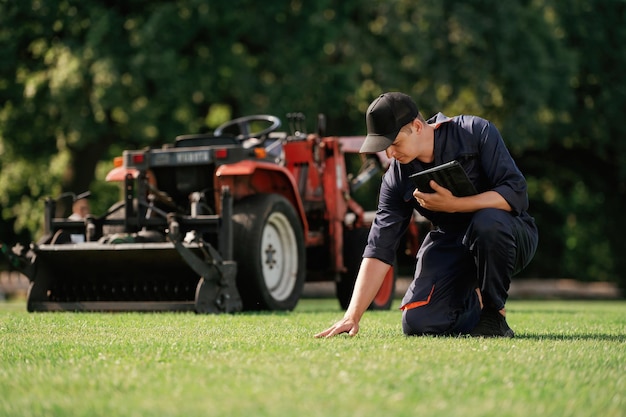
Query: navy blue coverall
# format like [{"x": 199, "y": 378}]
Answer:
[{"x": 463, "y": 251}]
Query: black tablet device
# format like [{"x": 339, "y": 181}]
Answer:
[{"x": 450, "y": 175}]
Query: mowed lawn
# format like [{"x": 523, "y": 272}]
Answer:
[{"x": 568, "y": 359}]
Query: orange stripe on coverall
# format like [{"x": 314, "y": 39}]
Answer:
[{"x": 416, "y": 304}]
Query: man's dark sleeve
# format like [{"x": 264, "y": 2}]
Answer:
[
  {"x": 392, "y": 217},
  {"x": 500, "y": 168}
]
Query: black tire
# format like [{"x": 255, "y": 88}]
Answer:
[
  {"x": 270, "y": 254},
  {"x": 354, "y": 242},
  {"x": 387, "y": 291}
]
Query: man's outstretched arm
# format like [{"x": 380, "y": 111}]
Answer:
[{"x": 369, "y": 279}]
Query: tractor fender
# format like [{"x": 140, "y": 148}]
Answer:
[
  {"x": 118, "y": 174},
  {"x": 257, "y": 177}
]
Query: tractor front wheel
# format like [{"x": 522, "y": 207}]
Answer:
[{"x": 269, "y": 251}]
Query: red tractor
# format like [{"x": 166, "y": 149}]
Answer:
[{"x": 237, "y": 219}]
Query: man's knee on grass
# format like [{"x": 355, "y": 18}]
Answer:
[{"x": 423, "y": 321}]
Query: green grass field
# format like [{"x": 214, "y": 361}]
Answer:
[{"x": 568, "y": 359}]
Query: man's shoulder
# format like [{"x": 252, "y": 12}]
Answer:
[
  {"x": 474, "y": 126},
  {"x": 464, "y": 121},
  {"x": 469, "y": 121}
]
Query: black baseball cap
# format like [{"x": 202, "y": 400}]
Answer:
[{"x": 384, "y": 119}]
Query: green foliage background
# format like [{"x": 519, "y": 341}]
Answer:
[{"x": 82, "y": 80}]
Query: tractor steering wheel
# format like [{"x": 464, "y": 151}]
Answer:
[{"x": 244, "y": 123}]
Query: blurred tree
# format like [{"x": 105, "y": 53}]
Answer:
[{"x": 585, "y": 162}]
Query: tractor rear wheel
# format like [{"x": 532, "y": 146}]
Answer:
[
  {"x": 354, "y": 242},
  {"x": 269, "y": 251}
]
